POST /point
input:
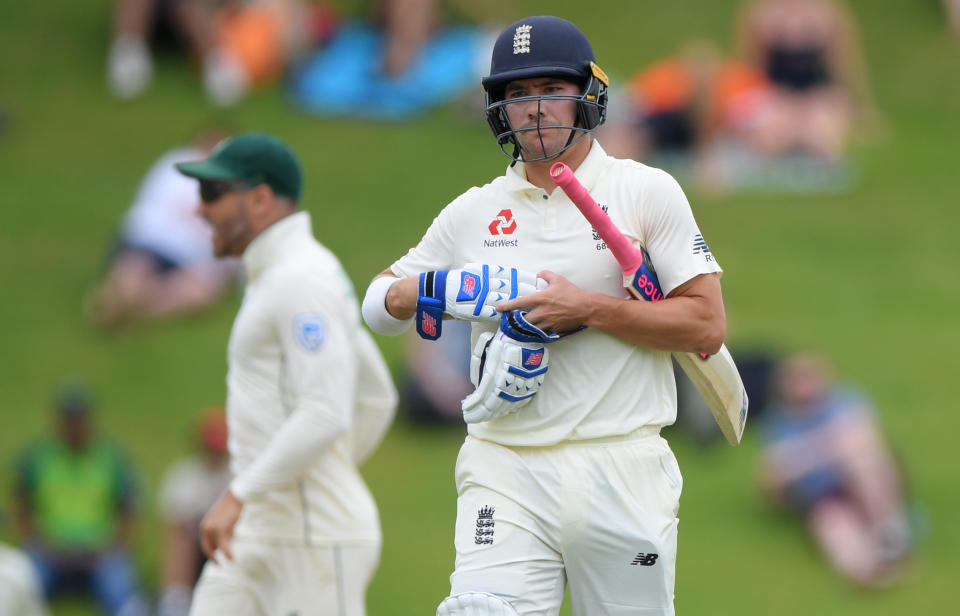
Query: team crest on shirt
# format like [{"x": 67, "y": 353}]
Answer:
[
  {"x": 309, "y": 331},
  {"x": 596, "y": 236},
  {"x": 485, "y": 525}
]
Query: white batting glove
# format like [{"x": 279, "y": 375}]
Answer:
[
  {"x": 507, "y": 374},
  {"x": 469, "y": 294}
]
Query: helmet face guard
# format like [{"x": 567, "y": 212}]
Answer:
[
  {"x": 544, "y": 46},
  {"x": 591, "y": 111}
]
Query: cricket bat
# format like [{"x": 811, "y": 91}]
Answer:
[{"x": 715, "y": 376}]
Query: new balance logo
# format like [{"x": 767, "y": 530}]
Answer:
[
  {"x": 533, "y": 360},
  {"x": 429, "y": 325},
  {"x": 485, "y": 524},
  {"x": 469, "y": 285},
  {"x": 645, "y": 560},
  {"x": 503, "y": 223}
]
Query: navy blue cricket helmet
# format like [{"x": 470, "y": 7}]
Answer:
[{"x": 544, "y": 46}]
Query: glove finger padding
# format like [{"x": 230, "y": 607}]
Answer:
[
  {"x": 469, "y": 294},
  {"x": 472, "y": 292},
  {"x": 507, "y": 374}
]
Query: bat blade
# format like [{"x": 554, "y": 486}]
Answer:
[{"x": 715, "y": 377}]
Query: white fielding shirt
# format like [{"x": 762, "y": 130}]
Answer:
[
  {"x": 309, "y": 395},
  {"x": 597, "y": 386}
]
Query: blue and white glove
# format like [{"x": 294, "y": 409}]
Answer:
[
  {"x": 507, "y": 373},
  {"x": 515, "y": 325},
  {"x": 469, "y": 294}
]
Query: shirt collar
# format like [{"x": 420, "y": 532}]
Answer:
[
  {"x": 587, "y": 172},
  {"x": 267, "y": 247}
]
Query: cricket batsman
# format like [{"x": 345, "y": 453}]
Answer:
[{"x": 563, "y": 478}]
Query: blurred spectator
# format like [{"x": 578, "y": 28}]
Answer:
[
  {"x": 826, "y": 460},
  {"x": 237, "y": 44},
  {"x": 75, "y": 497},
  {"x": 407, "y": 25},
  {"x": 952, "y": 8},
  {"x": 190, "y": 486},
  {"x": 20, "y": 592},
  {"x": 677, "y": 105},
  {"x": 438, "y": 375},
  {"x": 810, "y": 51},
  {"x": 398, "y": 60},
  {"x": 162, "y": 263}
]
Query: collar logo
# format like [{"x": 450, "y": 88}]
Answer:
[
  {"x": 521, "y": 39},
  {"x": 503, "y": 223}
]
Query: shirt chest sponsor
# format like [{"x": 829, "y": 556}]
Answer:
[
  {"x": 505, "y": 231},
  {"x": 502, "y": 230}
]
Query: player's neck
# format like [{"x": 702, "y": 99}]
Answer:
[{"x": 538, "y": 173}]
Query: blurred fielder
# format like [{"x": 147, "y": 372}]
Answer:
[
  {"x": 563, "y": 477},
  {"x": 309, "y": 398}
]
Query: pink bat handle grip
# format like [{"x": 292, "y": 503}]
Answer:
[{"x": 627, "y": 255}]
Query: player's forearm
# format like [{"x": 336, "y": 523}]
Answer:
[
  {"x": 180, "y": 561},
  {"x": 294, "y": 447},
  {"x": 401, "y": 300},
  {"x": 673, "y": 324}
]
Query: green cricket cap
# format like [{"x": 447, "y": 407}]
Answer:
[{"x": 254, "y": 158}]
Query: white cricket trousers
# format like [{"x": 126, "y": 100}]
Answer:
[
  {"x": 599, "y": 515},
  {"x": 273, "y": 579}
]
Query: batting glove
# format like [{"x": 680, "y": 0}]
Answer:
[
  {"x": 507, "y": 373},
  {"x": 469, "y": 294}
]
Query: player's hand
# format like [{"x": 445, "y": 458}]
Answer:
[
  {"x": 216, "y": 528},
  {"x": 561, "y": 307},
  {"x": 469, "y": 294}
]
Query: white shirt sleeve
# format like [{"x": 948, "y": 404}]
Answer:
[
  {"x": 318, "y": 376},
  {"x": 436, "y": 250},
  {"x": 672, "y": 238},
  {"x": 376, "y": 398}
]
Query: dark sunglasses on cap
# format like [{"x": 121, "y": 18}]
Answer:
[{"x": 212, "y": 190}]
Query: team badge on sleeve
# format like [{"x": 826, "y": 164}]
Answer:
[{"x": 309, "y": 331}]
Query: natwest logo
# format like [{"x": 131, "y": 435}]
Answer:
[{"x": 503, "y": 223}]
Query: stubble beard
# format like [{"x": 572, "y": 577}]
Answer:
[
  {"x": 553, "y": 142},
  {"x": 233, "y": 236}
]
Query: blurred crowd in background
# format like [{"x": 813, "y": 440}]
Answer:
[
  {"x": 776, "y": 106},
  {"x": 776, "y": 111}
]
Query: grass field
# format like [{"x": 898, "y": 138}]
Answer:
[{"x": 870, "y": 277}]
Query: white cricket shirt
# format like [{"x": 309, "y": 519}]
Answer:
[
  {"x": 163, "y": 217},
  {"x": 296, "y": 355},
  {"x": 597, "y": 385}
]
